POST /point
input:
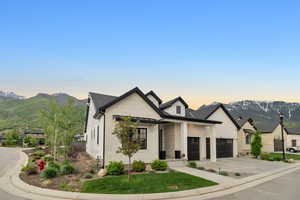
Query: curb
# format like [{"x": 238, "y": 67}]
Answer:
[{"x": 201, "y": 193}]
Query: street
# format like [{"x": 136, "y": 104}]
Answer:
[
  {"x": 9, "y": 157},
  {"x": 285, "y": 187}
]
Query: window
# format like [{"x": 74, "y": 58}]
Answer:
[
  {"x": 97, "y": 134},
  {"x": 178, "y": 109},
  {"x": 248, "y": 139},
  {"x": 141, "y": 137},
  {"x": 294, "y": 143}
]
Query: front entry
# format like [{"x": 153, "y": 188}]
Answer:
[
  {"x": 193, "y": 148},
  {"x": 224, "y": 148},
  {"x": 277, "y": 145}
]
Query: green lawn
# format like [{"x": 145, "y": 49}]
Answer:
[
  {"x": 288, "y": 156},
  {"x": 145, "y": 183}
]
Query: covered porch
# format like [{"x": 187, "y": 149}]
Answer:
[{"x": 184, "y": 140}]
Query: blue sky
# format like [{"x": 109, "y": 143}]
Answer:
[{"x": 202, "y": 50}]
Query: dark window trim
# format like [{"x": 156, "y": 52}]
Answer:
[
  {"x": 178, "y": 109},
  {"x": 139, "y": 136},
  {"x": 97, "y": 134},
  {"x": 248, "y": 139}
]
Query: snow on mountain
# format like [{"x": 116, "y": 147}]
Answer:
[{"x": 10, "y": 95}]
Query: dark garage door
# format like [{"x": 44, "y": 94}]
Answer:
[
  {"x": 193, "y": 148},
  {"x": 277, "y": 145},
  {"x": 224, "y": 148}
]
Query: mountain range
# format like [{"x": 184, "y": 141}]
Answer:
[
  {"x": 23, "y": 113},
  {"x": 19, "y": 112}
]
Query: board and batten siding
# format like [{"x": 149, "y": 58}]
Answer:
[{"x": 172, "y": 110}]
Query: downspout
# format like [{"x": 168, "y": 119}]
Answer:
[{"x": 103, "y": 162}]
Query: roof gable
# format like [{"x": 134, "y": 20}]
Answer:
[
  {"x": 171, "y": 102},
  {"x": 120, "y": 98},
  {"x": 155, "y": 96},
  {"x": 206, "y": 111}
]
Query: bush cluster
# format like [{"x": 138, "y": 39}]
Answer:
[
  {"x": 115, "y": 168},
  {"x": 192, "y": 164},
  {"x": 66, "y": 169},
  {"x": 49, "y": 172},
  {"x": 30, "y": 169},
  {"x": 159, "y": 165},
  {"x": 138, "y": 166},
  {"x": 48, "y": 158}
]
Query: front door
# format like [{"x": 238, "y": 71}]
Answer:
[
  {"x": 277, "y": 145},
  {"x": 193, "y": 148}
]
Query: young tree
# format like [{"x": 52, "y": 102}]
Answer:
[
  {"x": 126, "y": 130},
  {"x": 256, "y": 144},
  {"x": 50, "y": 122},
  {"x": 70, "y": 124}
]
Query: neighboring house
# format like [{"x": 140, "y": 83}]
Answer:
[
  {"x": 226, "y": 133},
  {"x": 271, "y": 136},
  {"x": 2, "y": 139},
  {"x": 37, "y": 134},
  {"x": 167, "y": 130},
  {"x": 245, "y": 131},
  {"x": 293, "y": 137}
]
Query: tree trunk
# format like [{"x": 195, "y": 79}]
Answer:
[{"x": 129, "y": 167}]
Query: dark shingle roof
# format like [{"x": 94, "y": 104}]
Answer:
[
  {"x": 293, "y": 131},
  {"x": 155, "y": 96},
  {"x": 171, "y": 102},
  {"x": 101, "y": 99},
  {"x": 267, "y": 127},
  {"x": 205, "y": 112}
]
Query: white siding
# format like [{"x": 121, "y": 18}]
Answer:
[
  {"x": 92, "y": 147},
  {"x": 135, "y": 106},
  {"x": 172, "y": 110},
  {"x": 225, "y": 130},
  {"x": 153, "y": 100}
]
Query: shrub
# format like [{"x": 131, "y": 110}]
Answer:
[
  {"x": 159, "y": 165},
  {"x": 88, "y": 176},
  {"x": 192, "y": 164},
  {"x": 277, "y": 158},
  {"x": 66, "y": 169},
  {"x": 49, "y": 172},
  {"x": 256, "y": 144},
  {"x": 54, "y": 165},
  {"x": 223, "y": 173},
  {"x": 237, "y": 174},
  {"x": 211, "y": 170},
  {"x": 201, "y": 168},
  {"x": 48, "y": 158},
  {"x": 270, "y": 158},
  {"x": 30, "y": 169},
  {"x": 115, "y": 168},
  {"x": 264, "y": 156},
  {"x": 138, "y": 166},
  {"x": 38, "y": 154}
]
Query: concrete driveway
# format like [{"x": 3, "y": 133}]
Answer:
[{"x": 243, "y": 165}]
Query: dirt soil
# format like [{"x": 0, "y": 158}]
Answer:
[{"x": 83, "y": 163}]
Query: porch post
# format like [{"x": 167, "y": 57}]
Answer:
[
  {"x": 202, "y": 147},
  {"x": 184, "y": 135},
  {"x": 213, "y": 148}
]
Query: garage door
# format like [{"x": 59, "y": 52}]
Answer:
[{"x": 224, "y": 148}]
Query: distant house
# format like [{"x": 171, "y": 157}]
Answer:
[
  {"x": 37, "y": 134},
  {"x": 272, "y": 136},
  {"x": 293, "y": 137},
  {"x": 245, "y": 132},
  {"x": 167, "y": 130},
  {"x": 2, "y": 139}
]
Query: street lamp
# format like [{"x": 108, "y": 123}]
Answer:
[{"x": 282, "y": 136}]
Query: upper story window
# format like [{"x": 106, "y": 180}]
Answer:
[{"x": 178, "y": 109}]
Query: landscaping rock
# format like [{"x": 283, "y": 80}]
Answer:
[
  {"x": 102, "y": 173},
  {"x": 173, "y": 187},
  {"x": 46, "y": 182}
]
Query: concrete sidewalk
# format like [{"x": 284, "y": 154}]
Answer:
[{"x": 204, "y": 174}]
